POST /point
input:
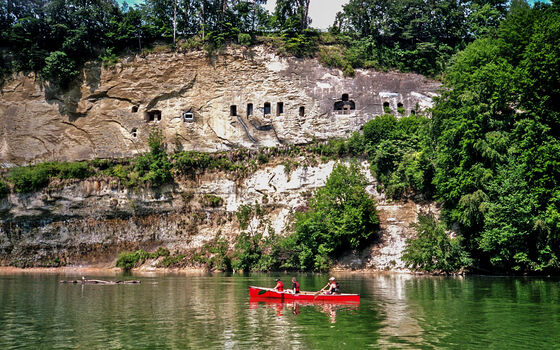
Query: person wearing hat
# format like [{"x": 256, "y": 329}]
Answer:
[
  {"x": 332, "y": 286},
  {"x": 279, "y": 285}
]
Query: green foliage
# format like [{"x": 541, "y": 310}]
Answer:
[
  {"x": 496, "y": 130},
  {"x": 210, "y": 200},
  {"x": 433, "y": 250},
  {"x": 109, "y": 59},
  {"x": 254, "y": 252},
  {"x": 59, "y": 68},
  {"x": 189, "y": 162},
  {"x": 341, "y": 217},
  {"x": 301, "y": 44},
  {"x": 262, "y": 158},
  {"x": 244, "y": 214},
  {"x": 35, "y": 177},
  {"x": 244, "y": 39},
  {"x": 171, "y": 260},
  {"x": 400, "y": 154},
  {"x": 129, "y": 260},
  {"x": 154, "y": 167}
]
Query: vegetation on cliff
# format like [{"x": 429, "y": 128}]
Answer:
[
  {"x": 340, "y": 217},
  {"x": 56, "y": 37},
  {"x": 490, "y": 153}
]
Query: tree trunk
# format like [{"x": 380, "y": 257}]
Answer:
[{"x": 174, "y": 22}]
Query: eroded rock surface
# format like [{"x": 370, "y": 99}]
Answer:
[
  {"x": 91, "y": 221},
  {"x": 246, "y": 98}
]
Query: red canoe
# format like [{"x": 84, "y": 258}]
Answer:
[{"x": 259, "y": 292}]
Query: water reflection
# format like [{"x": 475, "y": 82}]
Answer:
[
  {"x": 329, "y": 308},
  {"x": 215, "y": 311}
]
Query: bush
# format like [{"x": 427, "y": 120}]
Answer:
[
  {"x": 210, "y": 200},
  {"x": 244, "y": 39},
  {"x": 60, "y": 69},
  {"x": 154, "y": 167},
  {"x": 35, "y": 177},
  {"x": 109, "y": 59},
  {"x": 301, "y": 44},
  {"x": 129, "y": 260},
  {"x": 244, "y": 214},
  {"x": 169, "y": 260},
  {"x": 433, "y": 250},
  {"x": 331, "y": 57}
]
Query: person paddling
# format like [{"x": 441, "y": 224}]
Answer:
[
  {"x": 295, "y": 286},
  {"x": 279, "y": 285},
  {"x": 331, "y": 287}
]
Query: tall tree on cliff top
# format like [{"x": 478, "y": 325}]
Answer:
[{"x": 292, "y": 15}]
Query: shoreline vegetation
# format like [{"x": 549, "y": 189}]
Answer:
[{"x": 489, "y": 153}]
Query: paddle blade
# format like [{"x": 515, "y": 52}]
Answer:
[{"x": 261, "y": 292}]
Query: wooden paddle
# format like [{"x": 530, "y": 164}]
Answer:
[{"x": 317, "y": 293}]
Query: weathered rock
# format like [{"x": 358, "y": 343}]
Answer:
[
  {"x": 91, "y": 221},
  {"x": 203, "y": 104}
]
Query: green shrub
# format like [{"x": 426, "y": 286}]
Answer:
[
  {"x": 210, "y": 200},
  {"x": 244, "y": 214},
  {"x": 60, "y": 69},
  {"x": 331, "y": 57},
  {"x": 109, "y": 59},
  {"x": 301, "y": 44},
  {"x": 433, "y": 250},
  {"x": 35, "y": 177},
  {"x": 154, "y": 167},
  {"x": 130, "y": 260},
  {"x": 244, "y": 39},
  {"x": 170, "y": 260},
  {"x": 262, "y": 158}
]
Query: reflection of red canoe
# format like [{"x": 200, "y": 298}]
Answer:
[{"x": 258, "y": 292}]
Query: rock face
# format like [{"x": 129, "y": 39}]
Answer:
[
  {"x": 90, "y": 221},
  {"x": 246, "y": 98}
]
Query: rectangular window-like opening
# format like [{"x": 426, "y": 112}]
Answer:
[
  {"x": 302, "y": 111},
  {"x": 249, "y": 109},
  {"x": 280, "y": 108},
  {"x": 267, "y": 108},
  {"x": 233, "y": 110},
  {"x": 154, "y": 116},
  {"x": 400, "y": 108},
  {"x": 386, "y": 108},
  {"x": 188, "y": 116},
  {"x": 134, "y": 109}
]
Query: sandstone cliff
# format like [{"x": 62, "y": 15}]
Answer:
[
  {"x": 90, "y": 221},
  {"x": 243, "y": 97}
]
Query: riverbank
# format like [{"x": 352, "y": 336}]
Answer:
[{"x": 108, "y": 270}]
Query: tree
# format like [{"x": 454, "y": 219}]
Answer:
[
  {"x": 342, "y": 216},
  {"x": 292, "y": 15},
  {"x": 434, "y": 250}
]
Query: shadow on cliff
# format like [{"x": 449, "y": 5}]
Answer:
[{"x": 68, "y": 98}]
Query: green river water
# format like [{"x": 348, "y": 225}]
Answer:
[{"x": 174, "y": 311}]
